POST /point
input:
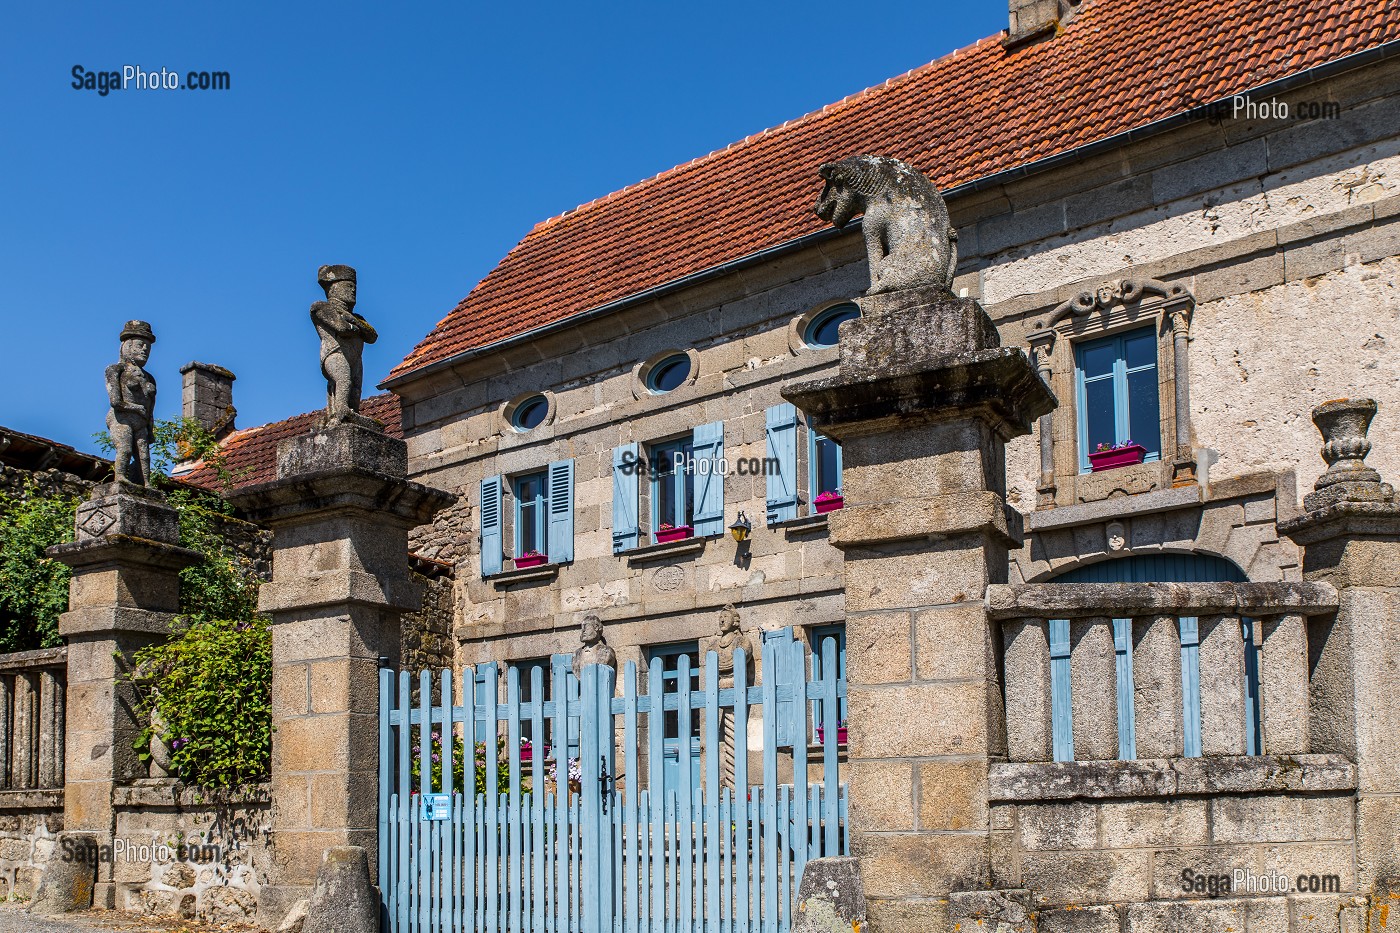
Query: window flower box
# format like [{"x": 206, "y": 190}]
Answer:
[
  {"x": 1111, "y": 458},
  {"x": 829, "y": 502},
  {"x": 530, "y": 559},
  {"x": 668, "y": 533},
  {"x": 840, "y": 735}
]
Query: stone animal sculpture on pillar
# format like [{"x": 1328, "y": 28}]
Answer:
[
  {"x": 343, "y": 336},
  {"x": 132, "y": 393},
  {"x": 730, "y": 639},
  {"x": 908, "y": 238},
  {"x": 593, "y": 648}
]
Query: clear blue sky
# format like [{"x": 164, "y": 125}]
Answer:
[{"x": 416, "y": 142}]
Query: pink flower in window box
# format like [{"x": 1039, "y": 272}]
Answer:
[
  {"x": 1111, "y": 457},
  {"x": 668, "y": 533},
  {"x": 530, "y": 559},
  {"x": 840, "y": 734},
  {"x": 829, "y": 502}
]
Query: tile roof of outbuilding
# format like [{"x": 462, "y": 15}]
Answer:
[{"x": 1119, "y": 65}]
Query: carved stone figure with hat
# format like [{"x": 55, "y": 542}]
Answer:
[
  {"x": 343, "y": 336},
  {"x": 132, "y": 394}
]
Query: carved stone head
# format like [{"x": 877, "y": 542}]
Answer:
[
  {"x": 137, "y": 338},
  {"x": 591, "y": 630},
  {"x": 728, "y": 619},
  {"x": 1116, "y": 535},
  {"x": 338, "y": 282}
]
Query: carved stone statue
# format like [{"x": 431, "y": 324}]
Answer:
[
  {"x": 132, "y": 393},
  {"x": 343, "y": 336},
  {"x": 730, "y": 638},
  {"x": 908, "y": 238},
  {"x": 593, "y": 648}
]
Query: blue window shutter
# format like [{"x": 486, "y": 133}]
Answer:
[
  {"x": 707, "y": 444},
  {"x": 777, "y": 651},
  {"x": 491, "y": 552},
  {"x": 561, "y": 511},
  {"x": 1061, "y": 714},
  {"x": 1190, "y": 686},
  {"x": 781, "y": 432},
  {"x": 624, "y": 523},
  {"x": 1123, "y": 661},
  {"x": 564, "y": 664}
]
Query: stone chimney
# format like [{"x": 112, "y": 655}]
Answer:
[
  {"x": 207, "y": 396},
  {"x": 1032, "y": 19}
]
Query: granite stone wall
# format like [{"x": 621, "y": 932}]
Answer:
[{"x": 30, "y": 822}]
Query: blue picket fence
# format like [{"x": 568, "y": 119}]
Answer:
[{"x": 617, "y": 849}]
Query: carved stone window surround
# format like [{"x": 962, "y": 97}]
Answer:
[{"x": 1117, "y": 305}]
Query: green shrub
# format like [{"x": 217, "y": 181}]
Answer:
[
  {"x": 211, "y": 684},
  {"x": 33, "y": 587}
]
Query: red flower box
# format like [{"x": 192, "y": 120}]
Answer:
[
  {"x": 679, "y": 533},
  {"x": 840, "y": 735},
  {"x": 530, "y": 560},
  {"x": 830, "y": 505},
  {"x": 1118, "y": 457}
]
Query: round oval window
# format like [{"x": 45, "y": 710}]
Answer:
[
  {"x": 669, "y": 373},
  {"x": 825, "y": 328},
  {"x": 530, "y": 413}
]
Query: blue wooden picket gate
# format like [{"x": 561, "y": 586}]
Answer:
[{"x": 617, "y": 850}]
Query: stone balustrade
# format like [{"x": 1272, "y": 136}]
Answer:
[
  {"x": 33, "y": 685},
  {"x": 1098, "y": 672}
]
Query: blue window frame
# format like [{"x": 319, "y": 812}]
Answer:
[
  {"x": 531, "y": 513},
  {"x": 669, "y": 373},
  {"x": 672, "y": 492},
  {"x": 527, "y": 695},
  {"x": 824, "y": 330},
  {"x": 818, "y": 638},
  {"x": 1117, "y": 393},
  {"x": 530, "y": 413},
  {"x": 823, "y": 466}
]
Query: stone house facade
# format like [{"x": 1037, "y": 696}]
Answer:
[{"x": 1180, "y": 276}]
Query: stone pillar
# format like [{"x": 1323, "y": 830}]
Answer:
[
  {"x": 1350, "y": 533},
  {"x": 124, "y": 592},
  {"x": 923, "y": 405},
  {"x": 340, "y": 511},
  {"x": 1042, "y": 345},
  {"x": 1184, "y": 462}
]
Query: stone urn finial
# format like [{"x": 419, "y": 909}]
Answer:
[{"x": 1344, "y": 423}]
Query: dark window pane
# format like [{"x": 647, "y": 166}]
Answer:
[
  {"x": 825, "y": 330},
  {"x": 828, "y": 466},
  {"x": 531, "y": 413},
  {"x": 1140, "y": 349},
  {"x": 670, "y": 373},
  {"x": 1099, "y": 414},
  {"x": 529, "y": 529},
  {"x": 1143, "y": 415},
  {"x": 1098, "y": 359}
]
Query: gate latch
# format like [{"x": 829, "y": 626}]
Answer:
[{"x": 604, "y": 782}]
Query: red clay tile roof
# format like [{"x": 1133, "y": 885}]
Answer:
[
  {"x": 1120, "y": 64},
  {"x": 250, "y": 455}
]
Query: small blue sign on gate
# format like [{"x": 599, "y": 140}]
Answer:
[{"x": 437, "y": 807}]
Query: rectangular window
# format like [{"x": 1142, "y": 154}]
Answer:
[
  {"x": 672, "y": 492},
  {"x": 823, "y": 466},
  {"x": 531, "y": 509},
  {"x": 1117, "y": 390},
  {"x": 819, "y": 636}
]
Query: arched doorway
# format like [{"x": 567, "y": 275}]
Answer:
[{"x": 1155, "y": 568}]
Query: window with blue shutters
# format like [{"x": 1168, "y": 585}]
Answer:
[
  {"x": 531, "y": 503},
  {"x": 560, "y": 535},
  {"x": 824, "y": 466},
  {"x": 707, "y": 447},
  {"x": 672, "y": 494},
  {"x": 1117, "y": 393},
  {"x": 626, "y": 471}
]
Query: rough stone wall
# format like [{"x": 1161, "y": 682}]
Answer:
[
  {"x": 426, "y": 636},
  {"x": 13, "y": 480},
  {"x": 28, "y": 842},
  {"x": 228, "y": 852}
]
